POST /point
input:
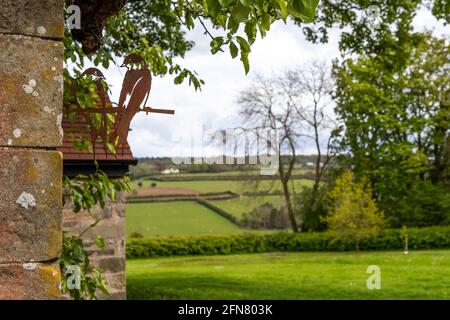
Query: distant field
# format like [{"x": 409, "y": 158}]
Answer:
[
  {"x": 175, "y": 219},
  {"x": 325, "y": 275},
  {"x": 238, "y": 206},
  {"x": 221, "y": 186}
]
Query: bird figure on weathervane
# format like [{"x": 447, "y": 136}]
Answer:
[
  {"x": 136, "y": 87},
  {"x": 133, "y": 99}
]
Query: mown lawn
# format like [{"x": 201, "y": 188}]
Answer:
[
  {"x": 175, "y": 219},
  {"x": 419, "y": 275},
  {"x": 226, "y": 185},
  {"x": 238, "y": 206}
]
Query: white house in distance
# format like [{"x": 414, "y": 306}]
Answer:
[
  {"x": 312, "y": 164},
  {"x": 170, "y": 171}
]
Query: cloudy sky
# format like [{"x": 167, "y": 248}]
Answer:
[{"x": 214, "y": 107}]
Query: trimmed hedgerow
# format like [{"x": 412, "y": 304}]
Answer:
[
  {"x": 391, "y": 239},
  {"x": 217, "y": 210},
  {"x": 152, "y": 199},
  {"x": 221, "y": 193}
]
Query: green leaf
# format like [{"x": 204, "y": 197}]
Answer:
[
  {"x": 247, "y": 3},
  {"x": 222, "y": 20},
  {"x": 233, "y": 25},
  {"x": 111, "y": 147},
  {"x": 225, "y": 3},
  {"x": 250, "y": 31},
  {"x": 265, "y": 21},
  {"x": 303, "y": 9},
  {"x": 244, "y": 59},
  {"x": 213, "y": 7},
  {"x": 282, "y": 4},
  {"x": 216, "y": 44},
  {"x": 100, "y": 242},
  {"x": 240, "y": 12},
  {"x": 233, "y": 49},
  {"x": 243, "y": 44}
]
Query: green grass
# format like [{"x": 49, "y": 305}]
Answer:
[
  {"x": 419, "y": 275},
  {"x": 223, "y": 185},
  {"x": 175, "y": 218},
  {"x": 238, "y": 206}
]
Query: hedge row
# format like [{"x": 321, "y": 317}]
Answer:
[
  {"x": 159, "y": 199},
  {"x": 221, "y": 193},
  {"x": 217, "y": 210},
  {"x": 419, "y": 238}
]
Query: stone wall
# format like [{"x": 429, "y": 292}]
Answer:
[
  {"x": 112, "y": 229},
  {"x": 31, "y": 100}
]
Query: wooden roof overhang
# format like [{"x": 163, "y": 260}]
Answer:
[{"x": 116, "y": 165}]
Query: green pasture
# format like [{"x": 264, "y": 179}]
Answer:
[{"x": 175, "y": 219}]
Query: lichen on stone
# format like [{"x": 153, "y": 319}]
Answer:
[{"x": 26, "y": 200}]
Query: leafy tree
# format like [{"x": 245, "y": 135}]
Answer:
[
  {"x": 397, "y": 122},
  {"x": 354, "y": 214}
]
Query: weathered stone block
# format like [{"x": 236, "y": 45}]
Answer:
[
  {"x": 42, "y": 18},
  {"x": 109, "y": 228},
  {"x": 116, "y": 281},
  {"x": 111, "y": 264},
  {"x": 30, "y": 204},
  {"x": 31, "y": 91},
  {"x": 112, "y": 228},
  {"x": 29, "y": 281}
]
